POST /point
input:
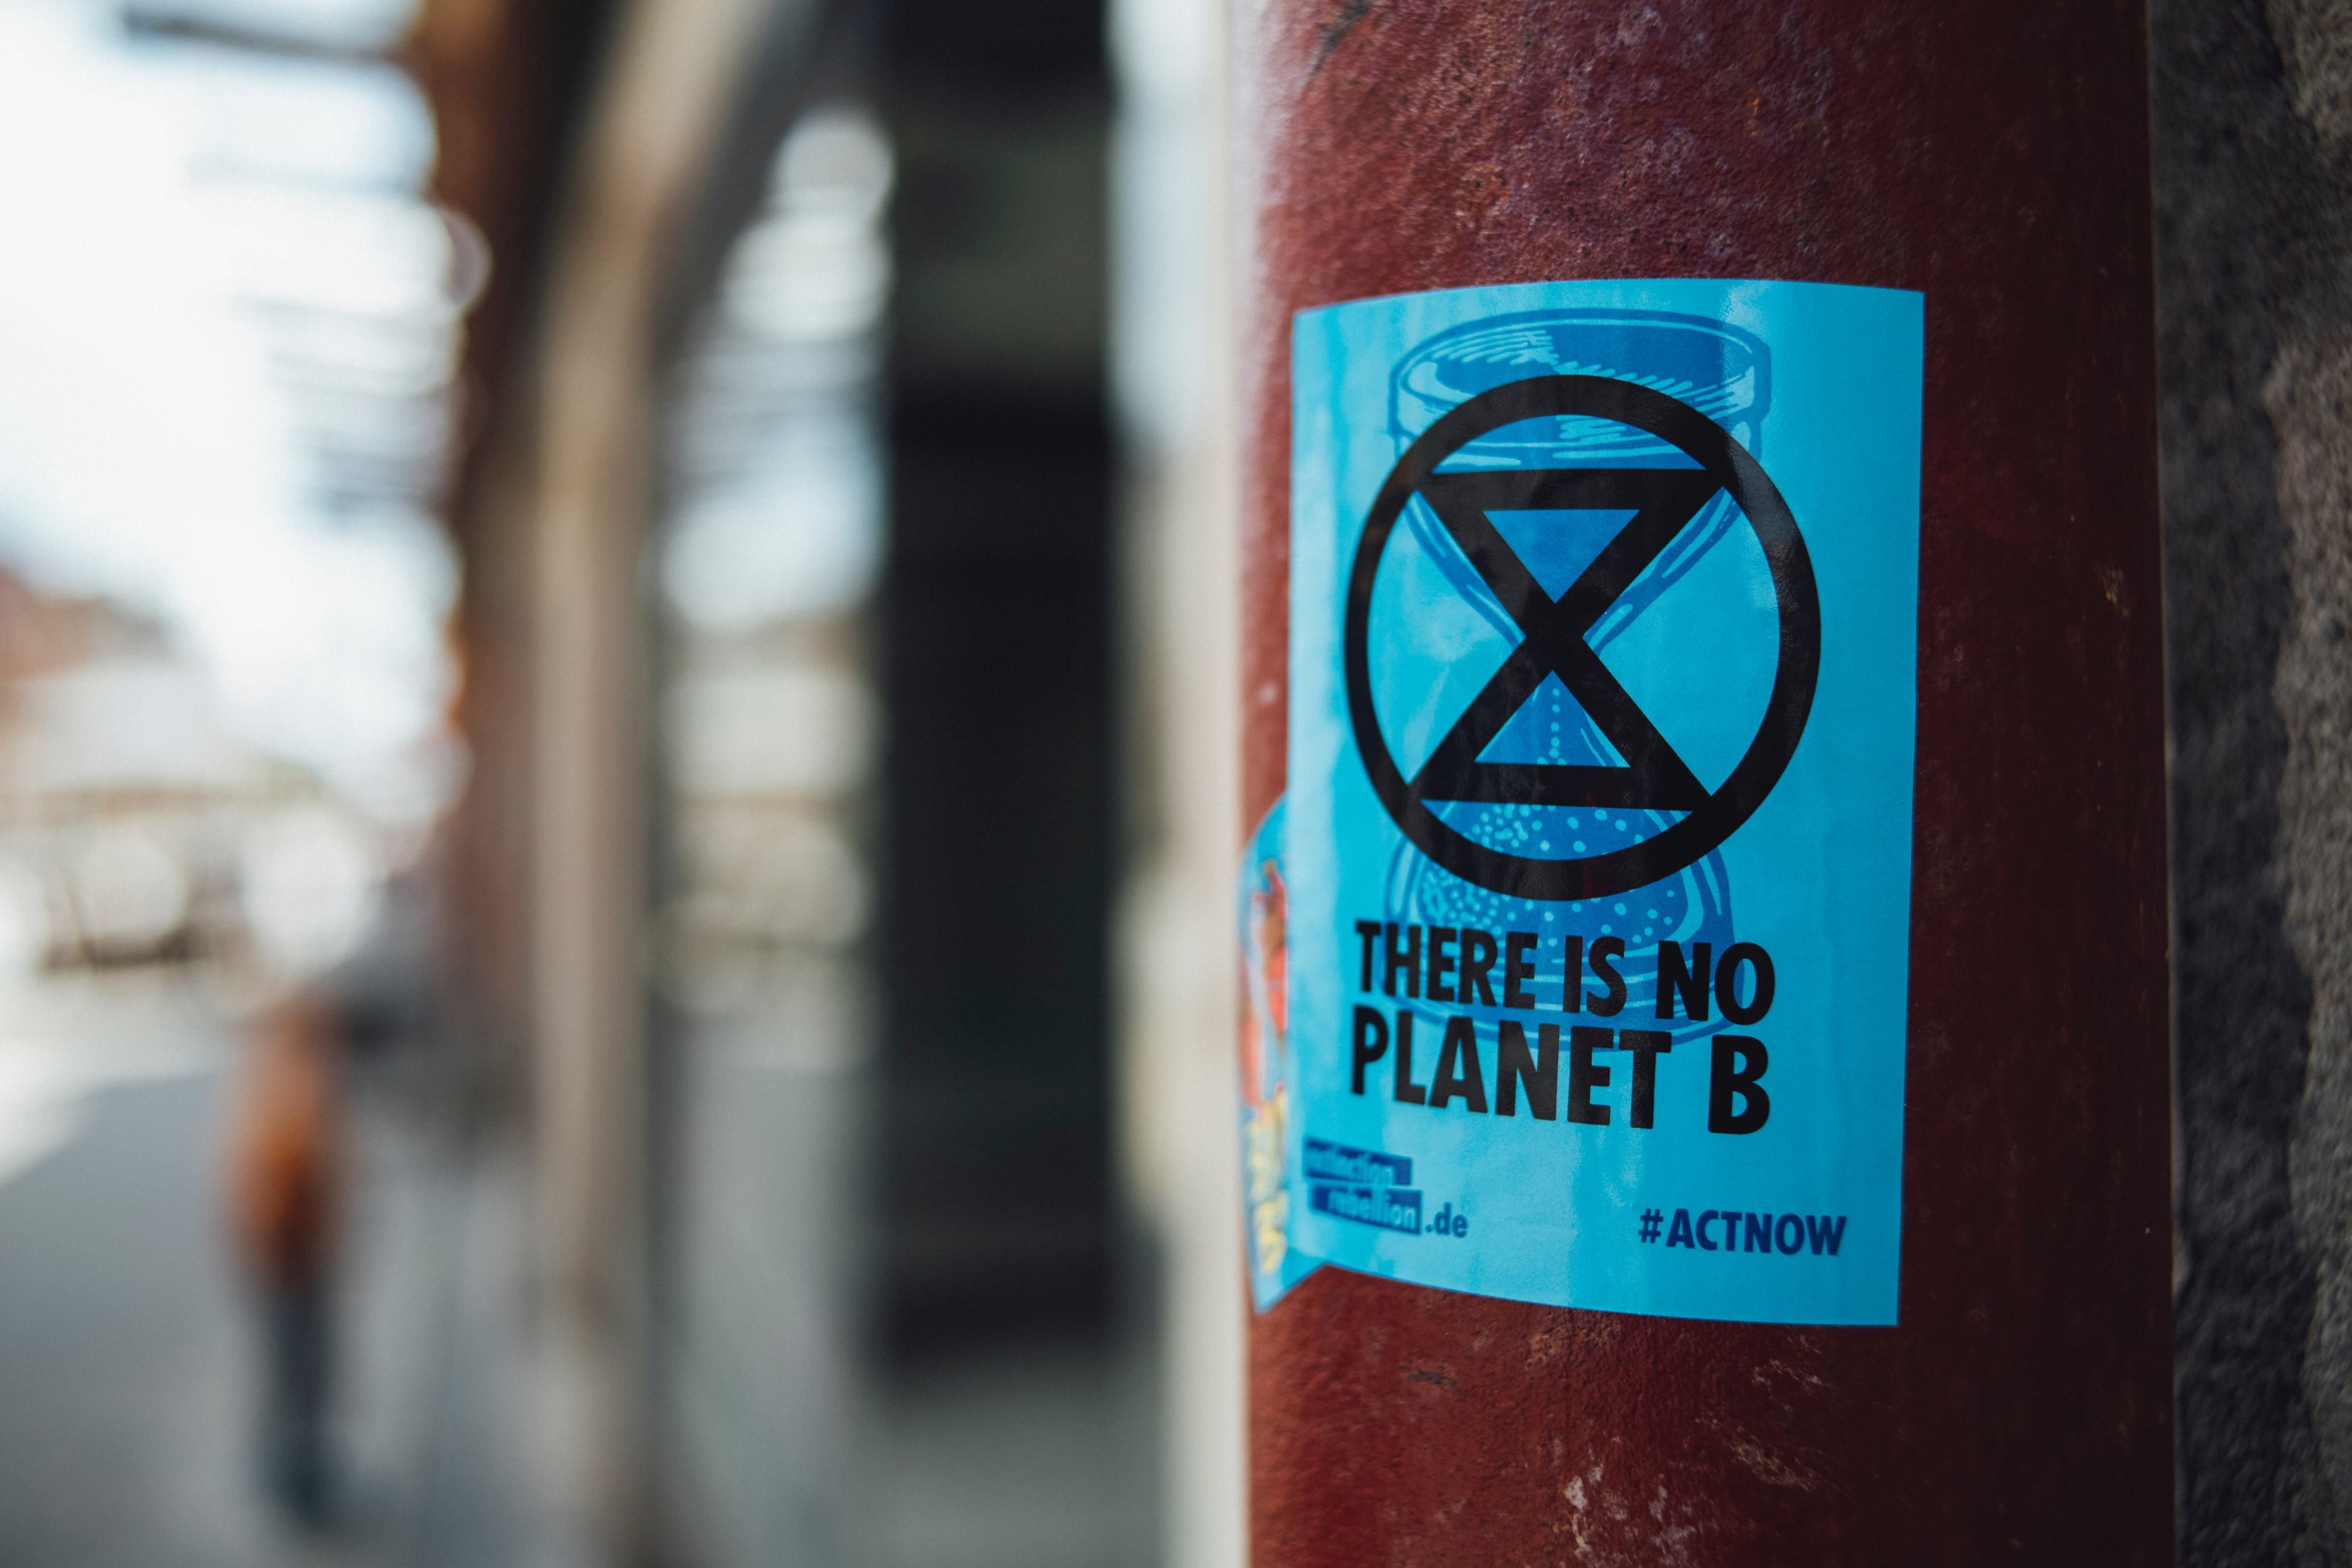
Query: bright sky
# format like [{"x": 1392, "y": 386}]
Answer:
[{"x": 144, "y": 451}]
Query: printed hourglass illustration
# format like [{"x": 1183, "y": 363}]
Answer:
[{"x": 1719, "y": 371}]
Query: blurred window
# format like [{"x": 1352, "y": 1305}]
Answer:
[{"x": 226, "y": 403}]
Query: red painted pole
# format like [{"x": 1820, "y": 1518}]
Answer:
[{"x": 1994, "y": 157}]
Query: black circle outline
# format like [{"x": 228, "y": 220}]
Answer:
[{"x": 1796, "y": 668}]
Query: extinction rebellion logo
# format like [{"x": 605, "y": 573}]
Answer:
[{"x": 1663, "y": 502}]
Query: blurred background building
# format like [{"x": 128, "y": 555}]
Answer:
[{"x": 642, "y": 556}]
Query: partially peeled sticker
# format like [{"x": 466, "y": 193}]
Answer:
[{"x": 1275, "y": 1265}]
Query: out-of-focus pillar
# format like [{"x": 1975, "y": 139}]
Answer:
[
  {"x": 1993, "y": 159},
  {"x": 672, "y": 72},
  {"x": 1172, "y": 362}
]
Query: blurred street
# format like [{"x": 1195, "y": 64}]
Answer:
[
  {"x": 128, "y": 1348},
  {"x": 589, "y": 973}
]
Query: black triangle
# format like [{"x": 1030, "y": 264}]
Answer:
[{"x": 1655, "y": 775}]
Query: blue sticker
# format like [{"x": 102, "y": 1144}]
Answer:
[
  {"x": 1273, "y": 1264},
  {"x": 1603, "y": 610}
]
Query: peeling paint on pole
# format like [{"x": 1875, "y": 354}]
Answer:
[{"x": 1994, "y": 159}]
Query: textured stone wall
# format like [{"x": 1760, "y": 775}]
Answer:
[{"x": 2253, "y": 179}]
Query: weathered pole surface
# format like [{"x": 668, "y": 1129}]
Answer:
[{"x": 1994, "y": 157}]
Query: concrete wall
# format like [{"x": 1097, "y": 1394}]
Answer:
[{"x": 2254, "y": 176}]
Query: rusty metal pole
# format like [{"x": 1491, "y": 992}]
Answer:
[{"x": 1993, "y": 158}]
